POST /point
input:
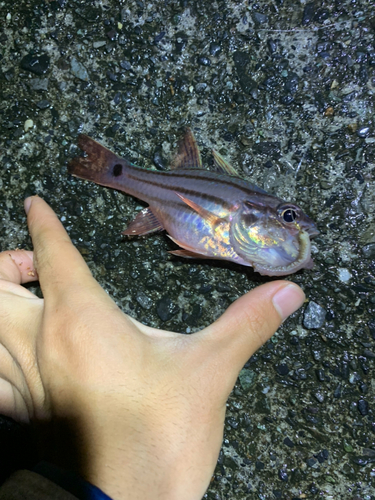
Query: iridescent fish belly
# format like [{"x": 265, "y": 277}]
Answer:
[
  {"x": 209, "y": 214},
  {"x": 210, "y": 238}
]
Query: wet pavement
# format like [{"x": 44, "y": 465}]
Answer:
[{"x": 285, "y": 92}]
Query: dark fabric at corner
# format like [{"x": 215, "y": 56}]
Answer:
[
  {"x": 25, "y": 484},
  {"x": 71, "y": 482},
  {"x": 49, "y": 482}
]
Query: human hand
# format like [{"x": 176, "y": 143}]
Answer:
[{"x": 144, "y": 407}]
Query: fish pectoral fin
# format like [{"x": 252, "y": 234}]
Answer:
[
  {"x": 188, "y": 155},
  {"x": 205, "y": 214},
  {"x": 222, "y": 165},
  {"x": 145, "y": 222},
  {"x": 188, "y": 254}
]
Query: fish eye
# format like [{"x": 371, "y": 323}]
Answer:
[{"x": 289, "y": 215}]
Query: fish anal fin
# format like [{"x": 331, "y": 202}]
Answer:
[
  {"x": 145, "y": 222},
  {"x": 188, "y": 254},
  {"x": 205, "y": 214},
  {"x": 222, "y": 165},
  {"x": 188, "y": 155}
]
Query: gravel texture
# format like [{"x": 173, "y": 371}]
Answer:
[{"x": 285, "y": 92}]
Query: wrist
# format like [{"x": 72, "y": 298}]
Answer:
[
  {"x": 151, "y": 461},
  {"x": 152, "y": 470}
]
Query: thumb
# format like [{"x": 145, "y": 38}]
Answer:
[{"x": 249, "y": 322}]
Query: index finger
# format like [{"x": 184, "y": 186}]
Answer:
[{"x": 58, "y": 262}]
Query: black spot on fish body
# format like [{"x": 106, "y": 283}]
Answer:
[{"x": 117, "y": 170}]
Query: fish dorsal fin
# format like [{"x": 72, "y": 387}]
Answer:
[
  {"x": 222, "y": 165},
  {"x": 210, "y": 217},
  {"x": 145, "y": 222},
  {"x": 188, "y": 155}
]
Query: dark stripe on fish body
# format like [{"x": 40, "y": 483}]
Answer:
[
  {"x": 185, "y": 176},
  {"x": 185, "y": 191},
  {"x": 200, "y": 174},
  {"x": 180, "y": 205}
]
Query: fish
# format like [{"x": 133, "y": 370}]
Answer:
[{"x": 209, "y": 214}]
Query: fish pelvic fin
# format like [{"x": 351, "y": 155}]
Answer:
[
  {"x": 99, "y": 165},
  {"x": 210, "y": 217},
  {"x": 188, "y": 155},
  {"x": 144, "y": 223},
  {"x": 186, "y": 251},
  {"x": 222, "y": 165}
]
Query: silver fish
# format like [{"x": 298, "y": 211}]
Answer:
[{"x": 209, "y": 214}]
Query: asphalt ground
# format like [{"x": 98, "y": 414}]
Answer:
[{"x": 285, "y": 92}]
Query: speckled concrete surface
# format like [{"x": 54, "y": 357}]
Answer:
[{"x": 285, "y": 91}]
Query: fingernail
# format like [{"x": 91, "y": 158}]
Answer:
[
  {"x": 288, "y": 299},
  {"x": 27, "y": 204}
]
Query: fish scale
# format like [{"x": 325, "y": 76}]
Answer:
[{"x": 209, "y": 214}]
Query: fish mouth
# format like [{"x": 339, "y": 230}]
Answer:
[
  {"x": 303, "y": 261},
  {"x": 312, "y": 231},
  {"x": 310, "y": 228}
]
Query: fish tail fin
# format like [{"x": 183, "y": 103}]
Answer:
[{"x": 99, "y": 165}]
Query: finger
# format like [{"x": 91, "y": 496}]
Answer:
[
  {"x": 11, "y": 402},
  {"x": 17, "y": 266},
  {"x": 249, "y": 322},
  {"x": 58, "y": 262},
  {"x": 20, "y": 322},
  {"x": 14, "y": 392}
]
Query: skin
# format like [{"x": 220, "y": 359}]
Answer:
[{"x": 137, "y": 411}]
